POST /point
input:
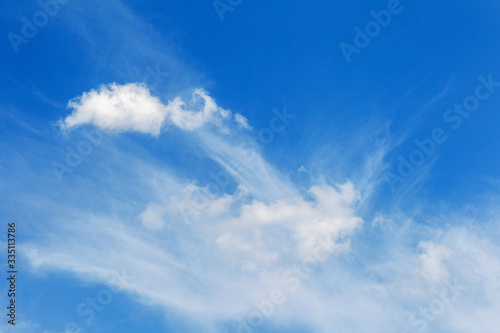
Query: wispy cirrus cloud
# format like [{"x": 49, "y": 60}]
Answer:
[{"x": 240, "y": 243}]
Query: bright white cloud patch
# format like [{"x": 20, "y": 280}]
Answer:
[
  {"x": 131, "y": 107},
  {"x": 120, "y": 108},
  {"x": 201, "y": 110},
  {"x": 302, "y": 223}
]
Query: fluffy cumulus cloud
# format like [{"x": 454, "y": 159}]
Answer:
[
  {"x": 258, "y": 231},
  {"x": 131, "y": 107},
  {"x": 120, "y": 108},
  {"x": 297, "y": 223}
]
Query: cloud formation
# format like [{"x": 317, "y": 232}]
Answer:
[
  {"x": 119, "y": 108},
  {"x": 131, "y": 107},
  {"x": 214, "y": 251}
]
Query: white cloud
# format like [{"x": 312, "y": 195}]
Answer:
[
  {"x": 244, "y": 163},
  {"x": 152, "y": 217},
  {"x": 190, "y": 265},
  {"x": 193, "y": 270},
  {"x": 131, "y": 107},
  {"x": 433, "y": 267},
  {"x": 242, "y": 121},
  {"x": 232, "y": 255},
  {"x": 201, "y": 110},
  {"x": 119, "y": 108},
  {"x": 238, "y": 244},
  {"x": 329, "y": 214}
]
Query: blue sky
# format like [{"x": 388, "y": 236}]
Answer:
[{"x": 227, "y": 166}]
